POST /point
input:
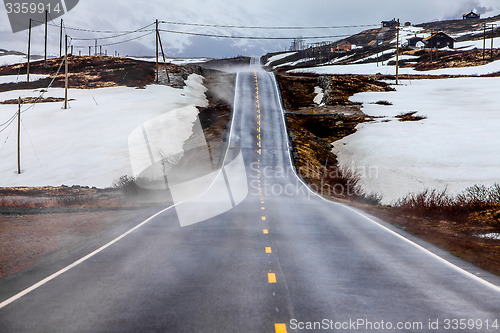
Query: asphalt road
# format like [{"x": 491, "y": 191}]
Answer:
[{"x": 282, "y": 256}]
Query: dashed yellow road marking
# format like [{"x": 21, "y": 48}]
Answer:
[
  {"x": 263, "y": 208},
  {"x": 265, "y": 231},
  {"x": 264, "y": 218},
  {"x": 280, "y": 328},
  {"x": 269, "y": 250},
  {"x": 271, "y": 277}
]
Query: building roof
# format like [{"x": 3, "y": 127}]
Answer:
[
  {"x": 471, "y": 13},
  {"x": 438, "y": 33}
]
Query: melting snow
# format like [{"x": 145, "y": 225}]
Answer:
[
  {"x": 88, "y": 143},
  {"x": 454, "y": 148}
]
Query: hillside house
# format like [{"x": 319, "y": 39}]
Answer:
[
  {"x": 439, "y": 40},
  {"x": 471, "y": 16},
  {"x": 412, "y": 42},
  {"x": 344, "y": 46},
  {"x": 390, "y": 24}
]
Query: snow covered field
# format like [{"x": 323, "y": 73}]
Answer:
[
  {"x": 456, "y": 147},
  {"x": 372, "y": 68},
  {"x": 20, "y": 78},
  {"x": 6, "y": 60},
  {"x": 88, "y": 143}
]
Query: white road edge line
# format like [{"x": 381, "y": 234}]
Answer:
[
  {"x": 102, "y": 248},
  {"x": 76, "y": 263},
  {"x": 420, "y": 247}
]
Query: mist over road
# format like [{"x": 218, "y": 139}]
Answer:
[{"x": 283, "y": 257}]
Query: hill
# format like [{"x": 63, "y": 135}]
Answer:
[{"x": 378, "y": 46}]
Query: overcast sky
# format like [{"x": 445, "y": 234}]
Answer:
[{"x": 129, "y": 15}]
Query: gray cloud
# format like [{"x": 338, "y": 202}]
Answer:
[
  {"x": 128, "y": 14},
  {"x": 467, "y": 6}
]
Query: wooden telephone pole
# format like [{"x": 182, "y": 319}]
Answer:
[
  {"x": 163, "y": 54},
  {"x": 46, "y": 32},
  {"x": 19, "y": 136},
  {"x": 66, "y": 73},
  {"x": 29, "y": 53},
  {"x": 492, "y": 37},
  {"x": 484, "y": 40},
  {"x": 397, "y": 54},
  {"x": 60, "y": 39},
  {"x": 157, "y": 37}
]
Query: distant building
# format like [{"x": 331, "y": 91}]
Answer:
[
  {"x": 439, "y": 40},
  {"x": 390, "y": 24},
  {"x": 471, "y": 15},
  {"x": 344, "y": 46},
  {"x": 412, "y": 42},
  {"x": 407, "y": 24}
]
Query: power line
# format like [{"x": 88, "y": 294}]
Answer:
[
  {"x": 142, "y": 29},
  {"x": 116, "y": 43},
  {"x": 249, "y": 37},
  {"x": 98, "y": 31},
  {"x": 267, "y": 27}
]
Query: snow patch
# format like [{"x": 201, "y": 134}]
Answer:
[
  {"x": 21, "y": 78},
  {"x": 372, "y": 68},
  {"x": 490, "y": 236},
  {"x": 278, "y": 57},
  {"x": 88, "y": 143},
  {"x": 319, "y": 95},
  {"x": 453, "y": 148}
]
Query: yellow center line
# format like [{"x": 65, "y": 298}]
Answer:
[
  {"x": 263, "y": 208},
  {"x": 271, "y": 277},
  {"x": 263, "y": 218},
  {"x": 265, "y": 231},
  {"x": 280, "y": 328},
  {"x": 269, "y": 250}
]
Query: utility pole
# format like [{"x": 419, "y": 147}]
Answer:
[
  {"x": 46, "y": 32},
  {"x": 60, "y": 39},
  {"x": 397, "y": 54},
  {"x": 29, "y": 53},
  {"x": 95, "y": 48},
  {"x": 66, "y": 73},
  {"x": 90, "y": 50},
  {"x": 157, "y": 35},
  {"x": 492, "y": 37},
  {"x": 19, "y": 136},
  {"x": 484, "y": 40},
  {"x": 163, "y": 53}
]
